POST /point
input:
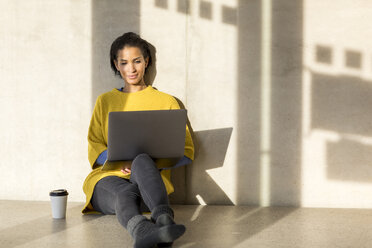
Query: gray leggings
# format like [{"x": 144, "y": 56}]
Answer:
[{"x": 115, "y": 195}]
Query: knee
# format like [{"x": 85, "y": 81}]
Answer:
[
  {"x": 142, "y": 160},
  {"x": 142, "y": 157}
]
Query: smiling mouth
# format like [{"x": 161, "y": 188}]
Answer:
[{"x": 132, "y": 77}]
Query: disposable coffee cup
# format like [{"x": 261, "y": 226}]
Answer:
[{"x": 58, "y": 200}]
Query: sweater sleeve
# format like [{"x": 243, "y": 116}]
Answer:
[
  {"x": 189, "y": 144},
  {"x": 102, "y": 158},
  {"x": 96, "y": 141}
]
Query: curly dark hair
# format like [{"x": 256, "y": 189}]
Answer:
[{"x": 132, "y": 40}]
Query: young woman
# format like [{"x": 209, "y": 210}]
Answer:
[{"x": 121, "y": 192}]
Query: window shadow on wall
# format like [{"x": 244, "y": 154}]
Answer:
[
  {"x": 286, "y": 102},
  {"x": 285, "y": 113},
  {"x": 249, "y": 103},
  {"x": 192, "y": 183},
  {"x": 341, "y": 104},
  {"x": 210, "y": 151}
]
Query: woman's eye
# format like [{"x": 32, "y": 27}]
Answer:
[
  {"x": 138, "y": 61},
  {"x": 123, "y": 63}
]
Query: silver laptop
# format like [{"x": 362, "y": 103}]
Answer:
[{"x": 159, "y": 133}]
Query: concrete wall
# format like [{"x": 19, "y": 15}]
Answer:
[
  {"x": 337, "y": 95},
  {"x": 45, "y": 96},
  {"x": 277, "y": 94}
]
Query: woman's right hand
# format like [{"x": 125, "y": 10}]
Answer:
[{"x": 127, "y": 167}]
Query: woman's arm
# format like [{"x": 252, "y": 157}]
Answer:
[
  {"x": 183, "y": 161},
  {"x": 96, "y": 140}
]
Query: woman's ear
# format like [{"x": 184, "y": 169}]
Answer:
[
  {"x": 147, "y": 61},
  {"x": 116, "y": 65}
]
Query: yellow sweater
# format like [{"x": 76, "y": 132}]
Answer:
[{"x": 115, "y": 100}]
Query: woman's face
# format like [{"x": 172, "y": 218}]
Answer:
[{"x": 131, "y": 64}]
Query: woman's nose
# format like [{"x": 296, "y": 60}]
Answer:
[{"x": 131, "y": 67}]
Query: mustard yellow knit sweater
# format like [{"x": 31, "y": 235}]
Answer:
[{"x": 115, "y": 100}]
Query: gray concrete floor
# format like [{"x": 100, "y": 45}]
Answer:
[{"x": 29, "y": 224}]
